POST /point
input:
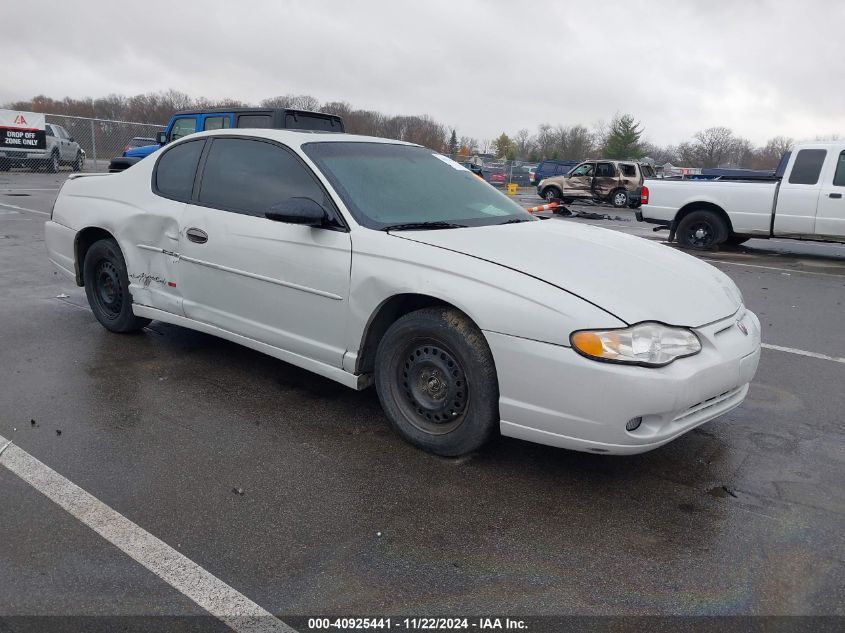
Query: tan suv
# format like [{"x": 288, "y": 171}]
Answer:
[{"x": 615, "y": 181}]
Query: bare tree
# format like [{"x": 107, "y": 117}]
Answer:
[{"x": 713, "y": 146}]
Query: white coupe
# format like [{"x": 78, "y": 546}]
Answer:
[{"x": 367, "y": 261}]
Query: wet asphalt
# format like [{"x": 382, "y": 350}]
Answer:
[{"x": 745, "y": 515}]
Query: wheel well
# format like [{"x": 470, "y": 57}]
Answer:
[
  {"x": 385, "y": 315},
  {"x": 84, "y": 239},
  {"x": 704, "y": 206}
]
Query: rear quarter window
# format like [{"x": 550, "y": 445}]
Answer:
[
  {"x": 255, "y": 121},
  {"x": 176, "y": 169},
  {"x": 807, "y": 167}
]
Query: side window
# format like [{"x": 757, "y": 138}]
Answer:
[
  {"x": 255, "y": 120},
  {"x": 183, "y": 127},
  {"x": 583, "y": 170},
  {"x": 216, "y": 123},
  {"x": 807, "y": 166},
  {"x": 605, "y": 170},
  {"x": 839, "y": 176},
  {"x": 250, "y": 177},
  {"x": 629, "y": 171},
  {"x": 176, "y": 170},
  {"x": 48, "y": 129}
]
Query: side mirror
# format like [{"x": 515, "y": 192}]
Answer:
[
  {"x": 162, "y": 138},
  {"x": 303, "y": 211}
]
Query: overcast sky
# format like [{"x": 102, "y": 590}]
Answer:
[{"x": 763, "y": 68}]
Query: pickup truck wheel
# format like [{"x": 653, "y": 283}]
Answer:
[
  {"x": 107, "y": 288},
  {"x": 53, "y": 163},
  {"x": 551, "y": 193},
  {"x": 78, "y": 162},
  {"x": 702, "y": 229},
  {"x": 436, "y": 381},
  {"x": 619, "y": 199}
]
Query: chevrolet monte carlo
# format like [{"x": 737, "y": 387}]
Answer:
[{"x": 368, "y": 261}]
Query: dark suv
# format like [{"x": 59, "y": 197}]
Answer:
[{"x": 549, "y": 168}]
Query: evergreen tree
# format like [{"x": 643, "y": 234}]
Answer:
[
  {"x": 453, "y": 143},
  {"x": 623, "y": 138}
]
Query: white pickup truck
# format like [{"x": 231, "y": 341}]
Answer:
[{"x": 805, "y": 200}]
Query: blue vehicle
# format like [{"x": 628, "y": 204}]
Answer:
[
  {"x": 549, "y": 168},
  {"x": 189, "y": 121}
]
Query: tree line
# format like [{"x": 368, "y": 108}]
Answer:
[{"x": 622, "y": 138}]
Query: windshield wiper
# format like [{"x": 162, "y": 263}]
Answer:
[
  {"x": 514, "y": 221},
  {"x": 421, "y": 226}
]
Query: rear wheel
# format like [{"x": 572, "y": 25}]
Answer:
[
  {"x": 551, "y": 193},
  {"x": 702, "y": 229},
  {"x": 107, "y": 288},
  {"x": 619, "y": 199},
  {"x": 437, "y": 383}
]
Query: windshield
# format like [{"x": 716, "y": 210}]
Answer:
[{"x": 385, "y": 185}]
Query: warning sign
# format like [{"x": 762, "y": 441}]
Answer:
[{"x": 22, "y": 130}]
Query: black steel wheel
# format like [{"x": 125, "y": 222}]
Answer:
[
  {"x": 436, "y": 381},
  {"x": 107, "y": 288},
  {"x": 702, "y": 229}
]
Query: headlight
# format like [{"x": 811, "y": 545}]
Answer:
[{"x": 648, "y": 344}]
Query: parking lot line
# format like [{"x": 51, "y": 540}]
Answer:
[
  {"x": 791, "y": 271},
  {"x": 801, "y": 352},
  {"x": 14, "y": 206},
  {"x": 209, "y": 592}
]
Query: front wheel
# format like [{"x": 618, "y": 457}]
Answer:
[
  {"x": 78, "y": 162},
  {"x": 107, "y": 288},
  {"x": 619, "y": 199},
  {"x": 551, "y": 193},
  {"x": 436, "y": 381}
]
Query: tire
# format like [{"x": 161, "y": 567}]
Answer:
[
  {"x": 702, "y": 229},
  {"x": 52, "y": 165},
  {"x": 107, "y": 288},
  {"x": 78, "y": 162},
  {"x": 619, "y": 199},
  {"x": 437, "y": 383},
  {"x": 551, "y": 193},
  {"x": 736, "y": 240}
]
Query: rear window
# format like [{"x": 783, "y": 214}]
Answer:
[
  {"x": 807, "y": 167},
  {"x": 177, "y": 168},
  {"x": 255, "y": 121}
]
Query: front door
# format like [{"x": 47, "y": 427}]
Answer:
[
  {"x": 830, "y": 218},
  {"x": 285, "y": 285},
  {"x": 579, "y": 182}
]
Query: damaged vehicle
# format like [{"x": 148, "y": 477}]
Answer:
[
  {"x": 617, "y": 182},
  {"x": 470, "y": 316}
]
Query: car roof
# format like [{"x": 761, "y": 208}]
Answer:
[
  {"x": 243, "y": 110},
  {"x": 299, "y": 137}
]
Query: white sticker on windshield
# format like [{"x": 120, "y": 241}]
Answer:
[{"x": 450, "y": 162}]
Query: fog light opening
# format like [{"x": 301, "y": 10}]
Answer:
[{"x": 634, "y": 423}]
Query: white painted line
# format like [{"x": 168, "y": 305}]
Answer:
[
  {"x": 801, "y": 352},
  {"x": 14, "y": 206},
  {"x": 791, "y": 271},
  {"x": 181, "y": 573}
]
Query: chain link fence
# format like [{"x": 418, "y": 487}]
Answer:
[{"x": 103, "y": 139}]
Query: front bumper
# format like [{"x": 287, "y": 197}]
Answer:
[{"x": 551, "y": 395}]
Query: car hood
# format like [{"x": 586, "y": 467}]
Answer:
[{"x": 630, "y": 277}]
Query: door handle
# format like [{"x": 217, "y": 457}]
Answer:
[
  {"x": 197, "y": 236},
  {"x": 835, "y": 195}
]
